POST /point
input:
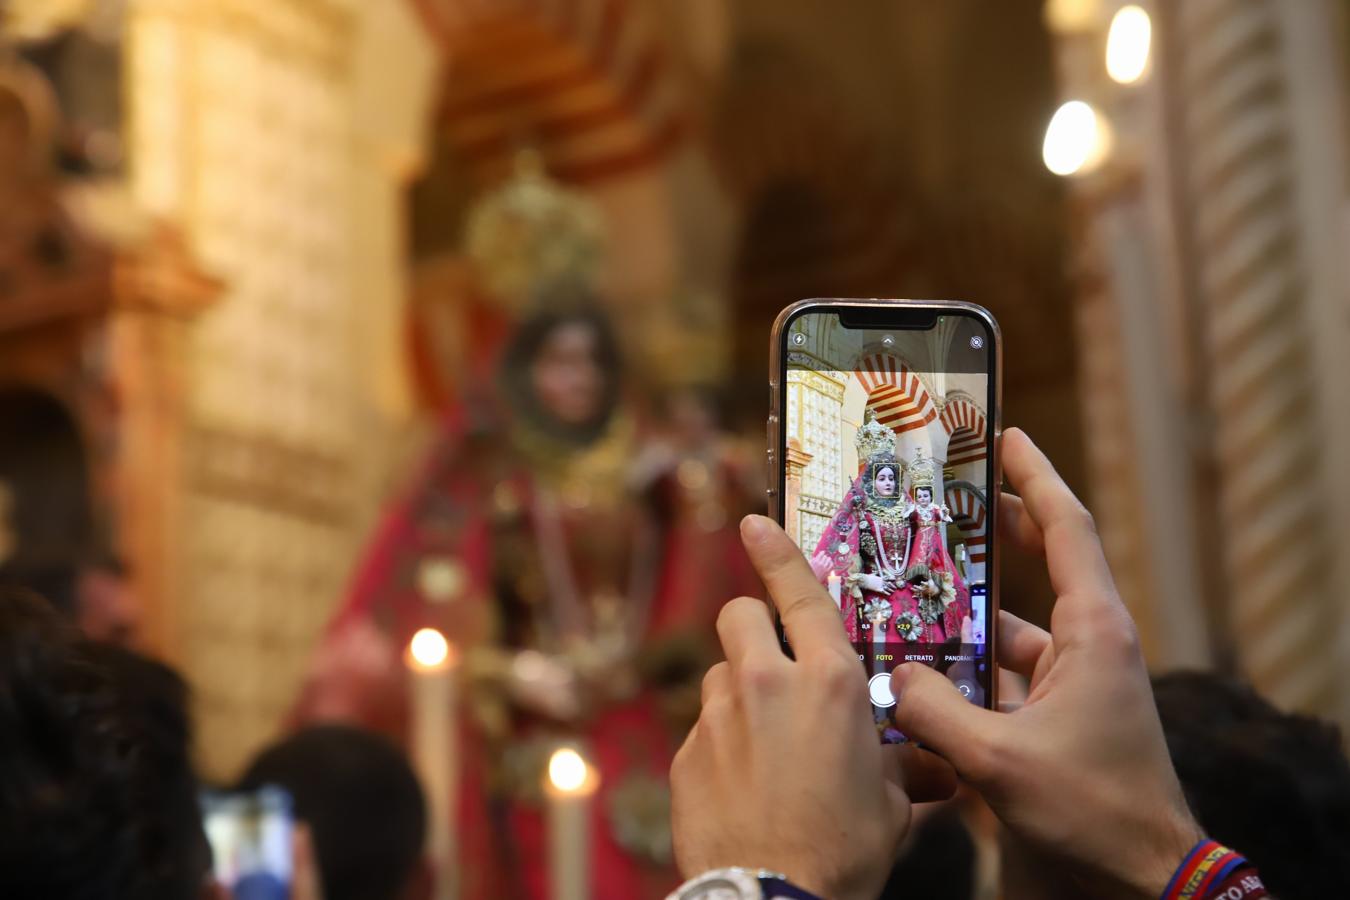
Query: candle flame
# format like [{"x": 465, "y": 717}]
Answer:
[
  {"x": 567, "y": 771},
  {"x": 429, "y": 648}
]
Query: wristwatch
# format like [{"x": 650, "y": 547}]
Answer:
[{"x": 740, "y": 884}]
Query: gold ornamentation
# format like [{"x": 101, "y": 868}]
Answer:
[
  {"x": 922, "y": 472},
  {"x": 595, "y": 476},
  {"x": 874, "y": 439},
  {"x": 639, "y": 814},
  {"x": 532, "y": 232},
  {"x": 440, "y": 579}
]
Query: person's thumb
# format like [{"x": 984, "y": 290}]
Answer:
[{"x": 929, "y": 709}]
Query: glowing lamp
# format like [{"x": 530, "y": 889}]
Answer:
[
  {"x": 1127, "y": 44},
  {"x": 1076, "y": 140}
]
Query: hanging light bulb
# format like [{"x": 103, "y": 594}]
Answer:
[
  {"x": 1127, "y": 44},
  {"x": 1076, "y": 140}
]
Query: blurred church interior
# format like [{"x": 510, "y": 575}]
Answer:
[{"x": 250, "y": 251}]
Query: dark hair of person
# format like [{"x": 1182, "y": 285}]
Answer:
[
  {"x": 57, "y": 583},
  {"x": 362, "y": 802},
  {"x": 152, "y": 704},
  {"x": 69, "y": 820},
  {"x": 97, "y": 797},
  {"x": 1272, "y": 785},
  {"x": 560, "y": 307}
]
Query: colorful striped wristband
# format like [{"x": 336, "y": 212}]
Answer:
[{"x": 1208, "y": 865}]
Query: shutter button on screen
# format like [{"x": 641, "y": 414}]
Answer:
[{"x": 879, "y": 687}]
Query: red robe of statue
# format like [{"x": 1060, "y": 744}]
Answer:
[
  {"x": 887, "y": 541},
  {"x": 567, "y": 595}
]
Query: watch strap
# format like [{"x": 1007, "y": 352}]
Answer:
[{"x": 777, "y": 887}]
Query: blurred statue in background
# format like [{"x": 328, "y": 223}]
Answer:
[{"x": 533, "y": 539}]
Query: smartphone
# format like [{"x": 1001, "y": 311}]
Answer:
[
  {"x": 250, "y": 838},
  {"x": 883, "y": 468}
]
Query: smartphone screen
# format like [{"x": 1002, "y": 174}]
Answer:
[
  {"x": 886, "y": 439},
  {"x": 250, "y": 838}
]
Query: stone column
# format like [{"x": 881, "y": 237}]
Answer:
[
  {"x": 796, "y": 460},
  {"x": 1238, "y": 181}
]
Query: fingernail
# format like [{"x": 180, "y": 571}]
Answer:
[{"x": 754, "y": 528}]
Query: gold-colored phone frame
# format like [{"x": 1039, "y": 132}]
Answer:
[{"x": 778, "y": 358}]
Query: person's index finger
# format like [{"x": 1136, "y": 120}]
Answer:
[
  {"x": 810, "y": 618},
  {"x": 1073, "y": 552},
  {"x": 746, "y": 630}
]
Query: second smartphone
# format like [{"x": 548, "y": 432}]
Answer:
[{"x": 884, "y": 470}]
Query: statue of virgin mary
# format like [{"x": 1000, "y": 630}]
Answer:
[
  {"x": 866, "y": 543},
  {"x": 895, "y": 575}
]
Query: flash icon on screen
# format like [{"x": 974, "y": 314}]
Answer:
[{"x": 977, "y": 343}]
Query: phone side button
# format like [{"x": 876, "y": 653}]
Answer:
[{"x": 769, "y": 471}]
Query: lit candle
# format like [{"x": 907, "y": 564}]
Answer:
[
  {"x": 571, "y": 782},
  {"x": 432, "y": 666},
  {"x": 833, "y": 583}
]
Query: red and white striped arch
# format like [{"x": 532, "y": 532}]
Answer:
[
  {"x": 585, "y": 82},
  {"x": 966, "y": 424},
  {"x": 968, "y": 513},
  {"x": 894, "y": 393}
]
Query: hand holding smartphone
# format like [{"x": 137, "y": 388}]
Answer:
[{"x": 884, "y": 471}]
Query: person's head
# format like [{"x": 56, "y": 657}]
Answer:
[
  {"x": 152, "y": 704},
  {"x": 562, "y": 371},
  {"x": 106, "y": 606},
  {"x": 363, "y": 805},
  {"x": 95, "y": 594},
  {"x": 881, "y": 479},
  {"x": 885, "y": 482},
  {"x": 57, "y": 583},
  {"x": 1273, "y": 786},
  {"x": 923, "y": 496},
  {"x": 95, "y": 799}
]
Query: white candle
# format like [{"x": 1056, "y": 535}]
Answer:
[
  {"x": 432, "y": 667},
  {"x": 570, "y": 784},
  {"x": 833, "y": 583}
]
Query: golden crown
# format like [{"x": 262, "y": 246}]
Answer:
[
  {"x": 532, "y": 232},
  {"x": 922, "y": 472},
  {"x": 874, "y": 439}
]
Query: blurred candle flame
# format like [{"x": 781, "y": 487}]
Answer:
[
  {"x": 567, "y": 771},
  {"x": 429, "y": 648}
]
